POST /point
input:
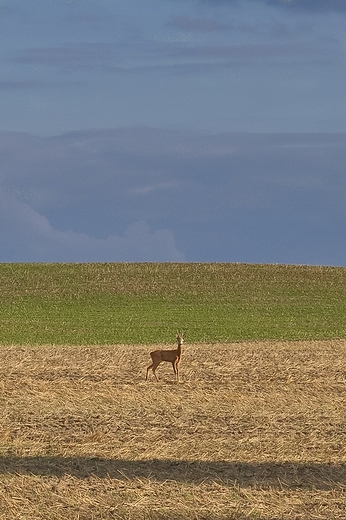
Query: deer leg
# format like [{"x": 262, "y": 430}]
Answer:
[
  {"x": 155, "y": 363},
  {"x": 177, "y": 370},
  {"x": 154, "y": 366},
  {"x": 154, "y": 372},
  {"x": 149, "y": 368}
]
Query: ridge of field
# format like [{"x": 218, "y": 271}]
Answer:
[{"x": 141, "y": 303}]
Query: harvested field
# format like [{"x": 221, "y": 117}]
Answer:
[{"x": 254, "y": 430}]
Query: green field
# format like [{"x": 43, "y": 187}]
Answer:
[{"x": 140, "y": 303}]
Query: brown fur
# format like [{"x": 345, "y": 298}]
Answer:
[{"x": 171, "y": 356}]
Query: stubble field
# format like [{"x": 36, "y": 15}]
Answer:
[{"x": 253, "y": 430}]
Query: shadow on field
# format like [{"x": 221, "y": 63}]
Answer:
[{"x": 263, "y": 475}]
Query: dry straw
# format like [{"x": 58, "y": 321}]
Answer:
[{"x": 253, "y": 430}]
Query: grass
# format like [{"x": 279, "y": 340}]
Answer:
[
  {"x": 104, "y": 304},
  {"x": 253, "y": 431}
]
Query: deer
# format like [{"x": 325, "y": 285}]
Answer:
[{"x": 171, "y": 356}]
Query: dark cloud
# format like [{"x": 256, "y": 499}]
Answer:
[
  {"x": 146, "y": 194},
  {"x": 25, "y": 84},
  {"x": 14, "y": 85},
  {"x": 294, "y": 5},
  {"x": 80, "y": 56},
  {"x": 175, "y": 56},
  {"x": 310, "y": 5}
]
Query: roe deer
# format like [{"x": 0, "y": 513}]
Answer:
[{"x": 171, "y": 356}]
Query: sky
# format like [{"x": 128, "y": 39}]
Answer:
[{"x": 173, "y": 131}]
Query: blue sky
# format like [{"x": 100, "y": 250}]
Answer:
[{"x": 173, "y": 130}]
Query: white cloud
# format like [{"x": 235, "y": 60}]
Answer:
[{"x": 28, "y": 236}]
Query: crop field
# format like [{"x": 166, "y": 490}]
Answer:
[
  {"x": 107, "y": 304},
  {"x": 256, "y": 428}
]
